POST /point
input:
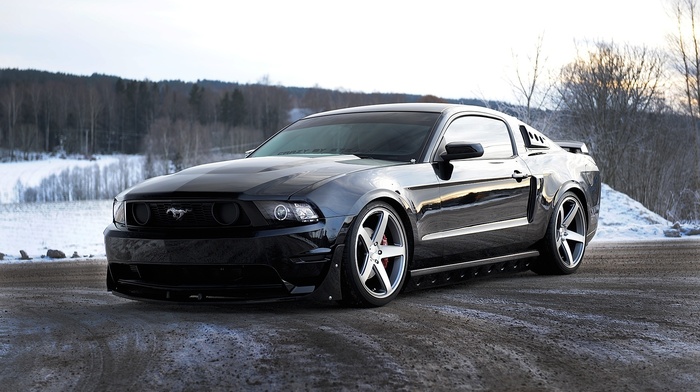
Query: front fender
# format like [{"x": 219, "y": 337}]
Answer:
[{"x": 347, "y": 195}]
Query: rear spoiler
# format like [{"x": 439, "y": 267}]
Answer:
[{"x": 573, "y": 146}]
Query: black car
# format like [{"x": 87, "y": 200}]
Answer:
[{"x": 356, "y": 205}]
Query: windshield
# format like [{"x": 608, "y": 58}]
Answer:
[{"x": 396, "y": 136}]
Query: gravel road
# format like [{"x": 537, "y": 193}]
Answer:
[{"x": 628, "y": 320}]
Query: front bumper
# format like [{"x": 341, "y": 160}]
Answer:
[{"x": 272, "y": 265}]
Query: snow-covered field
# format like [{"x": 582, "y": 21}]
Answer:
[
  {"x": 109, "y": 171},
  {"x": 76, "y": 227},
  {"x": 71, "y": 226}
]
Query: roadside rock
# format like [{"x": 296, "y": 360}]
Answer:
[
  {"x": 672, "y": 233},
  {"x": 677, "y": 230},
  {"x": 692, "y": 231},
  {"x": 55, "y": 254}
]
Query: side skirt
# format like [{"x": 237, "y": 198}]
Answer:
[
  {"x": 458, "y": 272},
  {"x": 474, "y": 263}
]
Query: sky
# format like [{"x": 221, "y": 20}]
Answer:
[{"x": 451, "y": 49}]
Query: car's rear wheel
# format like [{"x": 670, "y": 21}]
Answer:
[
  {"x": 565, "y": 241},
  {"x": 376, "y": 259}
]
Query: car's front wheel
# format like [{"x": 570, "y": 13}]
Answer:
[
  {"x": 565, "y": 241},
  {"x": 376, "y": 259}
]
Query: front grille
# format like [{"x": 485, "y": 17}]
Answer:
[
  {"x": 197, "y": 214},
  {"x": 185, "y": 214}
]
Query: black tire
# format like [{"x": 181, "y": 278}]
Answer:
[
  {"x": 564, "y": 243},
  {"x": 376, "y": 257}
]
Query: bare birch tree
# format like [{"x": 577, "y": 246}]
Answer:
[
  {"x": 531, "y": 85},
  {"x": 35, "y": 96},
  {"x": 12, "y": 101},
  {"x": 95, "y": 107},
  {"x": 685, "y": 49}
]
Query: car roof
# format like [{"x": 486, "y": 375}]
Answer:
[{"x": 411, "y": 107}]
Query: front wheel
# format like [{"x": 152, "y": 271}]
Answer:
[
  {"x": 376, "y": 258},
  {"x": 565, "y": 240}
]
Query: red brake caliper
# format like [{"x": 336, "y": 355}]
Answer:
[{"x": 385, "y": 261}]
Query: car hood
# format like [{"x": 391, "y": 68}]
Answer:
[{"x": 257, "y": 177}]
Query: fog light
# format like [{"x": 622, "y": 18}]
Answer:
[
  {"x": 225, "y": 213},
  {"x": 141, "y": 213}
]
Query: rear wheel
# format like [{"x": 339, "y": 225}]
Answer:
[
  {"x": 376, "y": 258},
  {"x": 565, "y": 241}
]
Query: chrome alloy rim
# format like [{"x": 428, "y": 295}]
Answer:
[
  {"x": 571, "y": 232},
  {"x": 380, "y": 254}
]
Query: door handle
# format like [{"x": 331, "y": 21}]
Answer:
[{"x": 519, "y": 176}]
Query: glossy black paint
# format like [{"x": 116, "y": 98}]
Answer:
[{"x": 481, "y": 211}]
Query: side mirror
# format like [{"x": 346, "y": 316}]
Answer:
[{"x": 462, "y": 150}]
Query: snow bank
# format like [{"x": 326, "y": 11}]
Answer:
[{"x": 625, "y": 219}]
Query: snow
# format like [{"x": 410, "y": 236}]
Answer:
[
  {"x": 66, "y": 226},
  {"x": 77, "y": 226},
  {"x": 25, "y": 174},
  {"x": 625, "y": 219}
]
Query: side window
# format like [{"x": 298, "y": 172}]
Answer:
[{"x": 490, "y": 132}]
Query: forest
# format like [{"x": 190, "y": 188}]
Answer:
[
  {"x": 179, "y": 121},
  {"x": 637, "y": 108}
]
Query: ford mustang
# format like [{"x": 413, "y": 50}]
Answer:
[{"x": 357, "y": 205}]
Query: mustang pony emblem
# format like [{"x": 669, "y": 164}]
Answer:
[{"x": 177, "y": 213}]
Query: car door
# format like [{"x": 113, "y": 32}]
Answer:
[{"x": 483, "y": 200}]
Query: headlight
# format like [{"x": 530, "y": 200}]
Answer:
[
  {"x": 119, "y": 212},
  {"x": 284, "y": 211}
]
